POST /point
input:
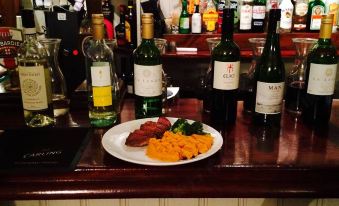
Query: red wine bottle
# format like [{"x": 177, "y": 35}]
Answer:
[{"x": 225, "y": 73}]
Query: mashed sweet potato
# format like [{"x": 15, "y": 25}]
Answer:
[{"x": 175, "y": 146}]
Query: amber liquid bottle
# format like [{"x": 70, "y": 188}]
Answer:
[
  {"x": 225, "y": 73},
  {"x": 322, "y": 63},
  {"x": 270, "y": 77}
]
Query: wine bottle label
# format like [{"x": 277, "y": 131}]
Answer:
[
  {"x": 185, "y": 23},
  {"x": 245, "y": 17},
  {"x": 102, "y": 96},
  {"x": 33, "y": 87},
  {"x": 259, "y": 12},
  {"x": 321, "y": 79},
  {"x": 148, "y": 80},
  {"x": 286, "y": 18},
  {"x": 226, "y": 75},
  {"x": 101, "y": 74},
  {"x": 269, "y": 97},
  {"x": 317, "y": 12},
  {"x": 301, "y": 9},
  {"x": 128, "y": 31},
  {"x": 101, "y": 84},
  {"x": 196, "y": 23}
]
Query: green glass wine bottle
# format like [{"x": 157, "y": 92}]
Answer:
[
  {"x": 322, "y": 63},
  {"x": 184, "y": 21},
  {"x": 270, "y": 77},
  {"x": 147, "y": 73},
  {"x": 225, "y": 73}
]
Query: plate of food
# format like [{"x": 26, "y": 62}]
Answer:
[{"x": 162, "y": 141}]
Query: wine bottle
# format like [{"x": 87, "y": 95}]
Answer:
[
  {"x": 220, "y": 8},
  {"x": 299, "y": 19},
  {"x": 258, "y": 16},
  {"x": 269, "y": 77},
  {"x": 316, "y": 9},
  {"x": 322, "y": 62},
  {"x": 131, "y": 26},
  {"x": 184, "y": 21},
  {"x": 147, "y": 73},
  {"x": 120, "y": 29},
  {"x": 108, "y": 10},
  {"x": 246, "y": 11},
  {"x": 196, "y": 19},
  {"x": 34, "y": 76},
  {"x": 225, "y": 73},
  {"x": 102, "y": 83}
]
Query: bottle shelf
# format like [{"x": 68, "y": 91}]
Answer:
[{"x": 199, "y": 41}]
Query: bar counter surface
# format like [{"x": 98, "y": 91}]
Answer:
[{"x": 293, "y": 161}]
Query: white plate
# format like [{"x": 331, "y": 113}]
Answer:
[
  {"x": 172, "y": 91},
  {"x": 114, "y": 139}
]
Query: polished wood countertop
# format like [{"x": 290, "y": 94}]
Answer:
[{"x": 294, "y": 161}]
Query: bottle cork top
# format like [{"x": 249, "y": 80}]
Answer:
[
  {"x": 97, "y": 19},
  {"x": 147, "y": 18},
  {"x": 327, "y": 19}
]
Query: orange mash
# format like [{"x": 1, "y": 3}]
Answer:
[{"x": 175, "y": 146}]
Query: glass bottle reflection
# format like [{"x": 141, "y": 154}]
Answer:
[{"x": 264, "y": 144}]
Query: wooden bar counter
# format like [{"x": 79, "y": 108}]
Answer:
[{"x": 294, "y": 161}]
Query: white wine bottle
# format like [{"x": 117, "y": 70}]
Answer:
[
  {"x": 147, "y": 73},
  {"x": 102, "y": 81},
  {"x": 35, "y": 77},
  {"x": 322, "y": 64}
]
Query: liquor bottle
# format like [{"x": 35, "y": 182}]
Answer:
[
  {"x": 34, "y": 76},
  {"x": 210, "y": 17},
  {"x": 225, "y": 73},
  {"x": 221, "y": 6},
  {"x": 120, "y": 29},
  {"x": 332, "y": 7},
  {"x": 246, "y": 9},
  {"x": 147, "y": 73},
  {"x": 234, "y": 5},
  {"x": 258, "y": 16},
  {"x": 286, "y": 7},
  {"x": 270, "y": 4},
  {"x": 299, "y": 19},
  {"x": 184, "y": 21},
  {"x": 108, "y": 10},
  {"x": 316, "y": 9},
  {"x": 130, "y": 26},
  {"x": 322, "y": 62},
  {"x": 269, "y": 77},
  {"x": 196, "y": 19},
  {"x": 102, "y": 83}
]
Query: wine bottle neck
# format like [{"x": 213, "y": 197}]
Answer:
[
  {"x": 272, "y": 45},
  {"x": 227, "y": 25},
  {"x": 147, "y": 32},
  {"x": 196, "y": 9},
  {"x": 98, "y": 32}
]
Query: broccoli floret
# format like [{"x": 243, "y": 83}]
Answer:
[
  {"x": 185, "y": 128},
  {"x": 195, "y": 128},
  {"x": 179, "y": 126}
]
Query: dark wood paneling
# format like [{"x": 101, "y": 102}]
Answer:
[{"x": 9, "y": 9}]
